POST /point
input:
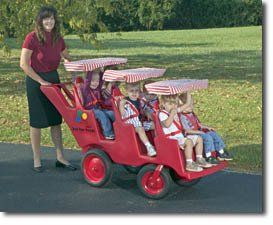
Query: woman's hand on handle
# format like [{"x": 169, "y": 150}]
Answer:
[{"x": 45, "y": 83}]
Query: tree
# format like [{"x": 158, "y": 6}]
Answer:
[
  {"x": 153, "y": 13},
  {"x": 124, "y": 16},
  {"x": 17, "y": 18}
]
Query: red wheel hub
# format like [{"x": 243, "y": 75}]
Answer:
[
  {"x": 151, "y": 185},
  {"x": 94, "y": 168}
]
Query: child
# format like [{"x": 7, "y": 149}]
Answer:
[
  {"x": 212, "y": 141},
  {"x": 109, "y": 90},
  {"x": 130, "y": 111},
  {"x": 149, "y": 104},
  {"x": 173, "y": 130},
  {"x": 92, "y": 101}
]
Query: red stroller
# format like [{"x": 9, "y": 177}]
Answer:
[{"x": 154, "y": 174}]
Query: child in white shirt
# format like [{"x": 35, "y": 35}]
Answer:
[
  {"x": 130, "y": 110},
  {"x": 173, "y": 129}
]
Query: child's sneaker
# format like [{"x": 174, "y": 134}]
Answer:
[
  {"x": 193, "y": 167},
  {"x": 151, "y": 151},
  {"x": 224, "y": 156},
  {"x": 213, "y": 161},
  {"x": 110, "y": 137},
  {"x": 203, "y": 163}
]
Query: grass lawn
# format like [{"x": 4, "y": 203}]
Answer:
[{"x": 231, "y": 58}]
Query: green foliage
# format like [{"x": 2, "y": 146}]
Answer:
[
  {"x": 86, "y": 18},
  {"x": 182, "y": 14},
  {"x": 153, "y": 13},
  {"x": 124, "y": 16},
  {"x": 191, "y": 14},
  {"x": 81, "y": 17}
]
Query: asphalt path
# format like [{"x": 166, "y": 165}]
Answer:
[{"x": 57, "y": 190}]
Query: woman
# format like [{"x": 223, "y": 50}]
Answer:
[{"x": 41, "y": 53}]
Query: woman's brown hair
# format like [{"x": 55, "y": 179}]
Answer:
[{"x": 45, "y": 12}]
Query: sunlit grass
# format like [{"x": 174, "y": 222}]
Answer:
[{"x": 231, "y": 58}]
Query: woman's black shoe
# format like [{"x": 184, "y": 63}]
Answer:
[
  {"x": 62, "y": 165},
  {"x": 38, "y": 169}
]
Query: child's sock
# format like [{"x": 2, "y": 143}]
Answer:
[
  {"x": 150, "y": 149},
  {"x": 189, "y": 160},
  {"x": 208, "y": 154},
  {"x": 199, "y": 156},
  {"x": 148, "y": 144},
  {"x": 221, "y": 151}
]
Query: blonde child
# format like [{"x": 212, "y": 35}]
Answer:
[
  {"x": 212, "y": 141},
  {"x": 173, "y": 130},
  {"x": 130, "y": 111}
]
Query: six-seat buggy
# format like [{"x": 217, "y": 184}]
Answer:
[{"x": 154, "y": 174}]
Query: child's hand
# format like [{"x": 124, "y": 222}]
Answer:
[
  {"x": 122, "y": 103},
  {"x": 117, "y": 98},
  {"x": 175, "y": 108},
  {"x": 209, "y": 128},
  {"x": 179, "y": 109},
  {"x": 149, "y": 116},
  {"x": 174, "y": 111},
  {"x": 109, "y": 86}
]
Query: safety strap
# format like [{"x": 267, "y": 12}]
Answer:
[
  {"x": 68, "y": 93},
  {"x": 193, "y": 119},
  {"x": 116, "y": 92},
  {"x": 75, "y": 89},
  {"x": 95, "y": 100},
  {"x": 148, "y": 103},
  {"x": 135, "y": 111},
  {"x": 177, "y": 124}
]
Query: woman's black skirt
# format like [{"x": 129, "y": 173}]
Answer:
[{"x": 42, "y": 113}]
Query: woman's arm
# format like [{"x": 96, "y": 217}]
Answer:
[
  {"x": 65, "y": 55},
  {"x": 24, "y": 64}
]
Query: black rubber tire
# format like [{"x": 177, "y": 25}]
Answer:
[
  {"x": 132, "y": 169},
  {"x": 182, "y": 182},
  {"x": 164, "y": 175},
  {"x": 107, "y": 165}
]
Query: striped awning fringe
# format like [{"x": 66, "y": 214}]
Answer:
[
  {"x": 171, "y": 87},
  {"x": 92, "y": 64},
  {"x": 132, "y": 75}
]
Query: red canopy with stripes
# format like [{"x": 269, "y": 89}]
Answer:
[
  {"x": 171, "y": 87},
  {"x": 92, "y": 64},
  {"x": 132, "y": 75}
]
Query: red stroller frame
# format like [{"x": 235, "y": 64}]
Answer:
[{"x": 153, "y": 178}]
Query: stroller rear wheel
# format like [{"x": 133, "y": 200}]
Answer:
[{"x": 97, "y": 168}]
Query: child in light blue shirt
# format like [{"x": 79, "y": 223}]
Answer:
[{"x": 212, "y": 141}]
